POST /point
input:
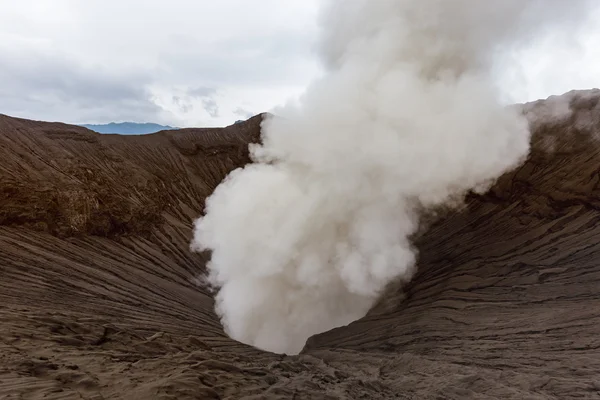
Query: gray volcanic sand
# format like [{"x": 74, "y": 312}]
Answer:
[{"x": 98, "y": 296}]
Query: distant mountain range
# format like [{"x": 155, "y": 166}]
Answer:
[{"x": 128, "y": 128}]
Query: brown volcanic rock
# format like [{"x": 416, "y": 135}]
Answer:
[
  {"x": 98, "y": 297},
  {"x": 68, "y": 180}
]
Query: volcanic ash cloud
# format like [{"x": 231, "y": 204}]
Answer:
[{"x": 407, "y": 116}]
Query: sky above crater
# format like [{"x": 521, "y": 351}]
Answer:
[{"x": 208, "y": 63}]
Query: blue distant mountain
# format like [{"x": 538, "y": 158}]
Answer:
[{"x": 128, "y": 128}]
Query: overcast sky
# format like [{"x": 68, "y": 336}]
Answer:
[{"x": 203, "y": 62}]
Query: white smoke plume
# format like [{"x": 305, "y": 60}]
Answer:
[{"x": 407, "y": 115}]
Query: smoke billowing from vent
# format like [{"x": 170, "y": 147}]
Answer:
[{"x": 407, "y": 116}]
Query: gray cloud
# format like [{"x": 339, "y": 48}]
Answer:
[
  {"x": 62, "y": 63},
  {"x": 262, "y": 59},
  {"x": 54, "y": 87},
  {"x": 202, "y": 92},
  {"x": 241, "y": 112},
  {"x": 201, "y": 63},
  {"x": 211, "y": 107},
  {"x": 207, "y": 97},
  {"x": 184, "y": 106}
]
